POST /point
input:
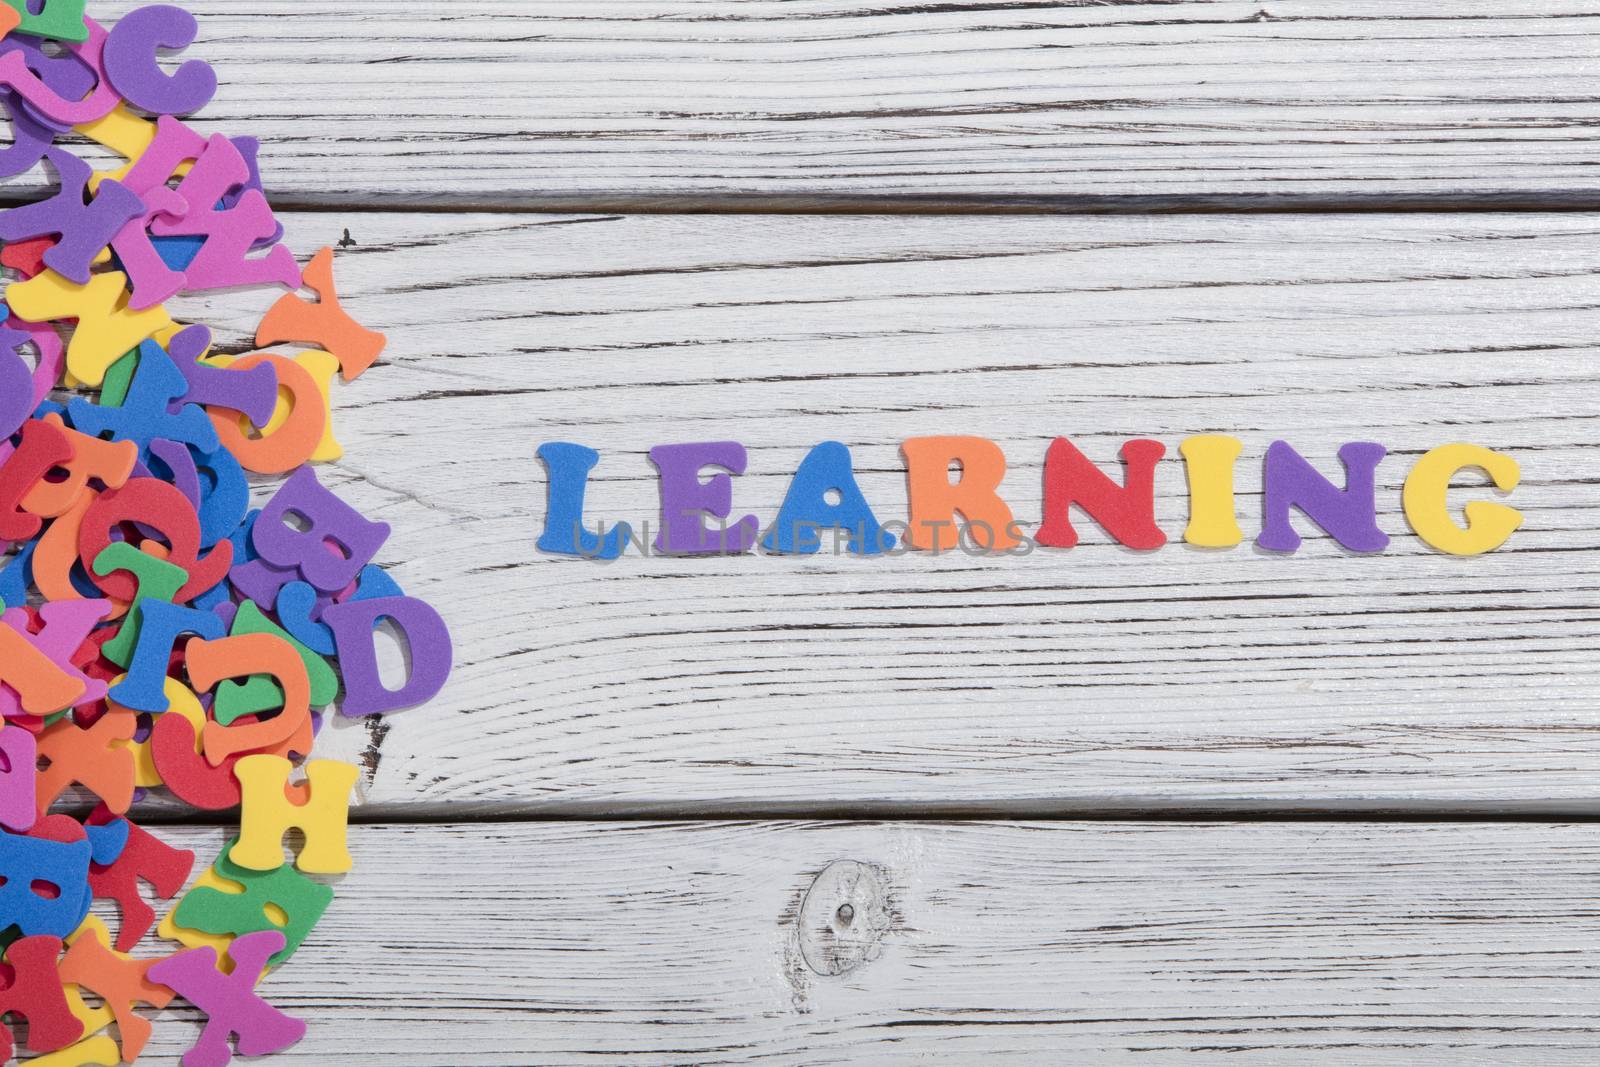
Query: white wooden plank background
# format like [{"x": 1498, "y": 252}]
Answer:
[
  {"x": 1087, "y": 683},
  {"x": 1086, "y": 680},
  {"x": 824, "y": 103},
  {"x": 1104, "y": 943}
]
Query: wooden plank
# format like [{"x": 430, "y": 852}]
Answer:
[
  {"x": 760, "y": 104},
  {"x": 1256, "y": 943},
  {"x": 1088, "y": 680}
]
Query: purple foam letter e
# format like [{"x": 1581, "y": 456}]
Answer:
[
  {"x": 1349, "y": 515},
  {"x": 353, "y": 624},
  {"x": 686, "y": 500}
]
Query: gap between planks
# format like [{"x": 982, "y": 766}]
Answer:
[
  {"x": 1133, "y": 205},
  {"x": 928, "y": 815}
]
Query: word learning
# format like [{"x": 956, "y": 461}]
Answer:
[{"x": 824, "y": 496}]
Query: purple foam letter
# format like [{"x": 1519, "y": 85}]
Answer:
[
  {"x": 353, "y": 623},
  {"x": 229, "y": 1000},
  {"x": 1348, "y": 515},
  {"x": 686, "y": 500}
]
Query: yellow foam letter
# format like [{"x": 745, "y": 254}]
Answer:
[
  {"x": 1428, "y": 484},
  {"x": 1209, "y": 460},
  {"x": 267, "y": 814},
  {"x": 107, "y": 329},
  {"x": 322, "y": 366},
  {"x": 180, "y": 699},
  {"x": 97, "y": 1051}
]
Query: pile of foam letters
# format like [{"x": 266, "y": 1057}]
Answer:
[{"x": 159, "y": 637}]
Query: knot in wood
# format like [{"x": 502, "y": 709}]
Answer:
[{"x": 843, "y": 917}]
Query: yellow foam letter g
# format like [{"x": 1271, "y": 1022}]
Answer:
[{"x": 1488, "y": 524}]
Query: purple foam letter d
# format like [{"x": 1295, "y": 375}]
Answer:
[{"x": 353, "y": 623}]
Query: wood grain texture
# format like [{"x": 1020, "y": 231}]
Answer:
[
  {"x": 1104, "y": 943},
  {"x": 1095, "y": 679},
  {"x": 829, "y": 105}
]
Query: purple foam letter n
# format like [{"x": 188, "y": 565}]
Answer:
[{"x": 1349, "y": 515}]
